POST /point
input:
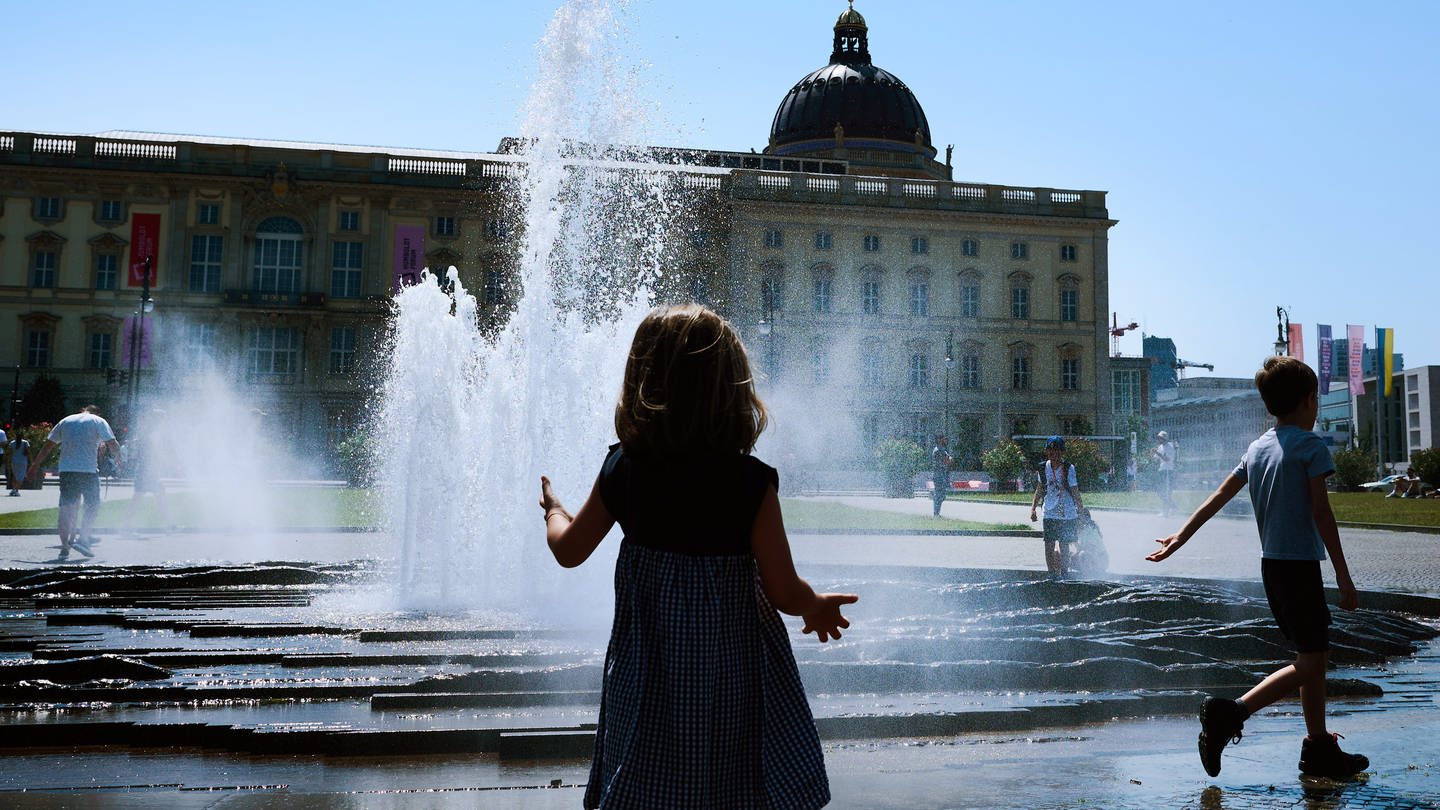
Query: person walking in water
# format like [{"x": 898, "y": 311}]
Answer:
[
  {"x": 1285, "y": 470},
  {"x": 82, "y": 438},
  {"x": 701, "y": 703},
  {"x": 1059, "y": 490}
]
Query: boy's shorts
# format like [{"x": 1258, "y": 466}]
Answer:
[
  {"x": 1061, "y": 531},
  {"x": 1297, "y": 599}
]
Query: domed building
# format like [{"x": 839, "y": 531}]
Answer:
[{"x": 856, "y": 111}]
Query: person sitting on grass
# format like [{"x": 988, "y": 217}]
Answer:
[
  {"x": 1406, "y": 486},
  {"x": 1286, "y": 470}
]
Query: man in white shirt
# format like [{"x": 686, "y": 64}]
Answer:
[
  {"x": 81, "y": 438},
  {"x": 1164, "y": 455}
]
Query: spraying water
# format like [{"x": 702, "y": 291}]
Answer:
[{"x": 469, "y": 420}]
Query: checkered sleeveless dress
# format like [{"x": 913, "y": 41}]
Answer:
[{"x": 702, "y": 705}]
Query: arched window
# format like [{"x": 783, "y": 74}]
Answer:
[
  {"x": 1021, "y": 362},
  {"x": 1069, "y": 285},
  {"x": 822, "y": 279},
  {"x": 278, "y": 256},
  {"x": 1070, "y": 367},
  {"x": 870, "y": 288},
  {"x": 969, "y": 364},
  {"x": 1020, "y": 296},
  {"x": 919, "y": 283},
  {"x": 969, "y": 293}
]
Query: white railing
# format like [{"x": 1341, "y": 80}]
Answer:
[
  {"x": 870, "y": 186},
  {"x": 1062, "y": 197},
  {"x": 708, "y": 181},
  {"x": 918, "y": 189},
  {"x": 1017, "y": 195},
  {"x": 7, "y": 143},
  {"x": 825, "y": 184},
  {"x": 505, "y": 170},
  {"x": 427, "y": 166},
  {"x": 774, "y": 181},
  {"x": 967, "y": 192},
  {"x": 55, "y": 146},
  {"x": 128, "y": 149}
]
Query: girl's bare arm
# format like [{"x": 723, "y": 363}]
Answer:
[
  {"x": 572, "y": 539},
  {"x": 783, "y": 586}
]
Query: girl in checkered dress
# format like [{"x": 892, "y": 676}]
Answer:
[{"x": 701, "y": 704}]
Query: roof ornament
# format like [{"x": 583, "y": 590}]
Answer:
[{"x": 851, "y": 40}]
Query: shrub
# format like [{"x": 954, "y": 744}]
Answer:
[
  {"x": 356, "y": 460},
  {"x": 1353, "y": 467},
  {"x": 1090, "y": 462},
  {"x": 898, "y": 461},
  {"x": 1004, "y": 462},
  {"x": 1426, "y": 464}
]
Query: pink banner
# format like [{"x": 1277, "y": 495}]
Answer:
[
  {"x": 1297, "y": 342},
  {"x": 1355, "y": 344},
  {"x": 409, "y": 255},
  {"x": 144, "y": 244},
  {"x": 139, "y": 338}
]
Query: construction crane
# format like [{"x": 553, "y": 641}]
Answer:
[
  {"x": 1181, "y": 365},
  {"x": 1117, "y": 331}
]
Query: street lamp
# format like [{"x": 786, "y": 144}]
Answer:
[
  {"x": 949, "y": 365},
  {"x": 137, "y": 337},
  {"x": 1282, "y": 332},
  {"x": 15, "y": 400},
  {"x": 767, "y": 323}
]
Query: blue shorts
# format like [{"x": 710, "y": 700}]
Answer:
[
  {"x": 1297, "y": 598},
  {"x": 1061, "y": 531},
  {"x": 77, "y": 485}
]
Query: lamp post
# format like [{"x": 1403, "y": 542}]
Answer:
[
  {"x": 949, "y": 365},
  {"x": 1282, "y": 332},
  {"x": 137, "y": 338},
  {"x": 15, "y": 399},
  {"x": 767, "y": 324}
]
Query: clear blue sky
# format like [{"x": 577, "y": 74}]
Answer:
[{"x": 1255, "y": 154}]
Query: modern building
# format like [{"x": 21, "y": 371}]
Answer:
[{"x": 859, "y": 271}]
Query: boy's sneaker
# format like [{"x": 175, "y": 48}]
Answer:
[
  {"x": 82, "y": 547},
  {"x": 1323, "y": 757},
  {"x": 1220, "y": 723}
]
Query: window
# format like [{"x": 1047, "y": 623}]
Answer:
[
  {"x": 48, "y": 207},
  {"x": 970, "y": 298},
  {"x": 919, "y": 297},
  {"x": 870, "y": 295},
  {"x": 1020, "y": 368},
  {"x": 277, "y": 256},
  {"x": 1069, "y": 304},
  {"x": 42, "y": 275},
  {"x": 919, "y": 369},
  {"x": 970, "y": 369},
  {"x": 346, "y": 264},
  {"x": 342, "y": 350},
  {"x": 497, "y": 230},
  {"x": 1070, "y": 373},
  {"x": 1019, "y": 250},
  {"x": 774, "y": 238},
  {"x": 444, "y": 226},
  {"x": 107, "y": 273},
  {"x": 37, "y": 348},
  {"x": 350, "y": 221},
  {"x": 969, "y": 247},
  {"x": 207, "y": 214},
  {"x": 1068, "y": 253},
  {"x": 1125, "y": 391},
  {"x": 918, "y": 426},
  {"x": 492, "y": 291},
  {"x": 274, "y": 350},
  {"x": 772, "y": 294},
  {"x": 205, "y": 253},
  {"x": 872, "y": 243},
  {"x": 871, "y": 372},
  {"x": 820, "y": 300},
  {"x": 919, "y": 245},
  {"x": 111, "y": 211},
  {"x": 1020, "y": 302},
  {"x": 819, "y": 362},
  {"x": 102, "y": 346},
  {"x": 823, "y": 240},
  {"x": 200, "y": 343}
]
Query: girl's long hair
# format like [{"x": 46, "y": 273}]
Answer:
[{"x": 688, "y": 387}]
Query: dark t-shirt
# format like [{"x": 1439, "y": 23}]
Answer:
[{"x": 714, "y": 498}]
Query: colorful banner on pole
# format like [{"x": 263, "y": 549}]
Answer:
[
  {"x": 409, "y": 255},
  {"x": 144, "y": 244},
  {"x": 135, "y": 342},
  {"x": 1355, "y": 348},
  {"x": 1296, "y": 346},
  {"x": 1327, "y": 356},
  {"x": 1385, "y": 344}
]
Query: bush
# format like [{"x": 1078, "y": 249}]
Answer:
[
  {"x": 1353, "y": 467},
  {"x": 1004, "y": 462},
  {"x": 899, "y": 460},
  {"x": 1426, "y": 464},
  {"x": 357, "y": 462},
  {"x": 1090, "y": 462}
]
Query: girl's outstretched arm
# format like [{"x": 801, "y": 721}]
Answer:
[
  {"x": 573, "y": 539},
  {"x": 783, "y": 586}
]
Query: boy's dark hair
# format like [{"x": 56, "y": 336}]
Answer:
[
  {"x": 1284, "y": 383},
  {"x": 688, "y": 387}
]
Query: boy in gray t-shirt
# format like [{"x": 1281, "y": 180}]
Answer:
[{"x": 1285, "y": 470}]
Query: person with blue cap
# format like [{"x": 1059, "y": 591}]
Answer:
[{"x": 1060, "y": 491}]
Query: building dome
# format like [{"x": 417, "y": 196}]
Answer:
[{"x": 850, "y": 103}]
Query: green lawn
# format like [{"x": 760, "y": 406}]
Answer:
[{"x": 357, "y": 508}]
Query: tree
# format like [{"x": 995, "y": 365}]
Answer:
[
  {"x": 1090, "y": 462},
  {"x": 1426, "y": 464},
  {"x": 965, "y": 444},
  {"x": 44, "y": 401},
  {"x": 1004, "y": 462},
  {"x": 1353, "y": 467},
  {"x": 899, "y": 460}
]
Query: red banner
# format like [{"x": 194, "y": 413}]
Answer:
[
  {"x": 144, "y": 244},
  {"x": 1297, "y": 342}
]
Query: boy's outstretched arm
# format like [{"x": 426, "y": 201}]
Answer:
[
  {"x": 1330, "y": 534},
  {"x": 1221, "y": 496}
]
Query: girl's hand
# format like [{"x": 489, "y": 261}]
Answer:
[
  {"x": 548, "y": 500},
  {"x": 825, "y": 620}
]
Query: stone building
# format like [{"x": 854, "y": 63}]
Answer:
[{"x": 861, "y": 274}]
